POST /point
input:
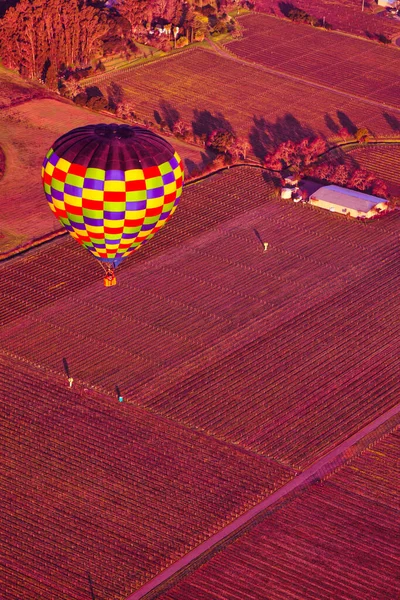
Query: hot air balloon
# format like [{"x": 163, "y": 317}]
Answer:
[{"x": 112, "y": 187}]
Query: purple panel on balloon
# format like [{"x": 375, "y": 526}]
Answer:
[
  {"x": 115, "y": 175},
  {"x": 91, "y": 221},
  {"x": 168, "y": 178},
  {"x": 57, "y": 195},
  {"x": 136, "y": 205},
  {"x": 94, "y": 184},
  {"x": 113, "y": 215},
  {"x": 155, "y": 193},
  {"x": 81, "y": 226},
  {"x": 72, "y": 190}
]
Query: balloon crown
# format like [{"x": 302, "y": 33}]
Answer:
[{"x": 114, "y": 130}]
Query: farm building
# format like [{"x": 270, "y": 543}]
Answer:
[{"x": 347, "y": 202}]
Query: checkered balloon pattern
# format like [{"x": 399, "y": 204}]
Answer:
[{"x": 112, "y": 211}]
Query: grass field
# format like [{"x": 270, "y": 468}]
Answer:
[
  {"x": 358, "y": 67},
  {"x": 345, "y": 531},
  {"x": 27, "y": 131}
]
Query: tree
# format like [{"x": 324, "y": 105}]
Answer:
[
  {"x": 221, "y": 141},
  {"x": 362, "y": 135},
  {"x": 52, "y": 77},
  {"x": 63, "y": 32},
  {"x": 345, "y": 134}
]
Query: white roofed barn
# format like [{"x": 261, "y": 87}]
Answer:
[{"x": 348, "y": 202}]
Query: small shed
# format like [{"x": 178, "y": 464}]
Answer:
[
  {"x": 386, "y": 3},
  {"x": 347, "y": 202},
  {"x": 291, "y": 181}
]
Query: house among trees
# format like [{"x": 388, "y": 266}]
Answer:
[
  {"x": 348, "y": 202},
  {"x": 387, "y": 3}
]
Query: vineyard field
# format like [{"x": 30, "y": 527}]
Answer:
[
  {"x": 358, "y": 67},
  {"x": 268, "y": 351},
  {"x": 337, "y": 539},
  {"x": 383, "y": 160},
  {"x": 92, "y": 486},
  {"x": 344, "y": 15},
  {"x": 209, "y": 91}
]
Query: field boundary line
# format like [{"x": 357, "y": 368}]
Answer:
[{"x": 321, "y": 469}]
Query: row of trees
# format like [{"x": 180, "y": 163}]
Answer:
[
  {"x": 45, "y": 38},
  {"x": 303, "y": 157},
  {"x": 38, "y": 35}
]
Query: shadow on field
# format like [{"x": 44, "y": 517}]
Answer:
[
  {"x": 346, "y": 122},
  {"x": 392, "y": 121},
  {"x": 286, "y": 7},
  {"x": 169, "y": 114},
  {"x": 204, "y": 123},
  {"x": 115, "y": 95},
  {"x": 265, "y": 136},
  {"x": 331, "y": 125}
]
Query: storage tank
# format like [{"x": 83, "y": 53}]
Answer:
[{"x": 286, "y": 193}]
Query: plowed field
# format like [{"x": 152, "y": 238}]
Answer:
[{"x": 209, "y": 91}]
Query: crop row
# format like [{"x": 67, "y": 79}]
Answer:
[
  {"x": 51, "y": 273},
  {"x": 217, "y": 335},
  {"x": 331, "y": 541},
  {"x": 316, "y": 57},
  {"x": 344, "y": 16},
  {"x": 120, "y": 494}
]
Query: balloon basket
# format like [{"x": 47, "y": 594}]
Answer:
[{"x": 110, "y": 281}]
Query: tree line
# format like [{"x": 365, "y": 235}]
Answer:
[{"x": 45, "y": 39}]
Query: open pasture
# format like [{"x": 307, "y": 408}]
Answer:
[
  {"x": 358, "y": 67},
  {"x": 337, "y": 539},
  {"x": 27, "y": 131},
  {"x": 284, "y": 353},
  {"x": 210, "y": 91},
  {"x": 345, "y": 15},
  {"x": 95, "y": 493}
]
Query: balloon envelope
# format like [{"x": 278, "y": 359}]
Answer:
[{"x": 112, "y": 187}]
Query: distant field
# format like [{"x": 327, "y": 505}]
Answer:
[
  {"x": 284, "y": 354},
  {"x": 338, "y": 539},
  {"x": 27, "y": 131},
  {"x": 14, "y": 90},
  {"x": 348, "y": 64},
  {"x": 207, "y": 91},
  {"x": 345, "y": 15}
]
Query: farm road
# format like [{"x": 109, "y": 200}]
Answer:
[
  {"x": 222, "y": 51},
  {"x": 318, "y": 471}
]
